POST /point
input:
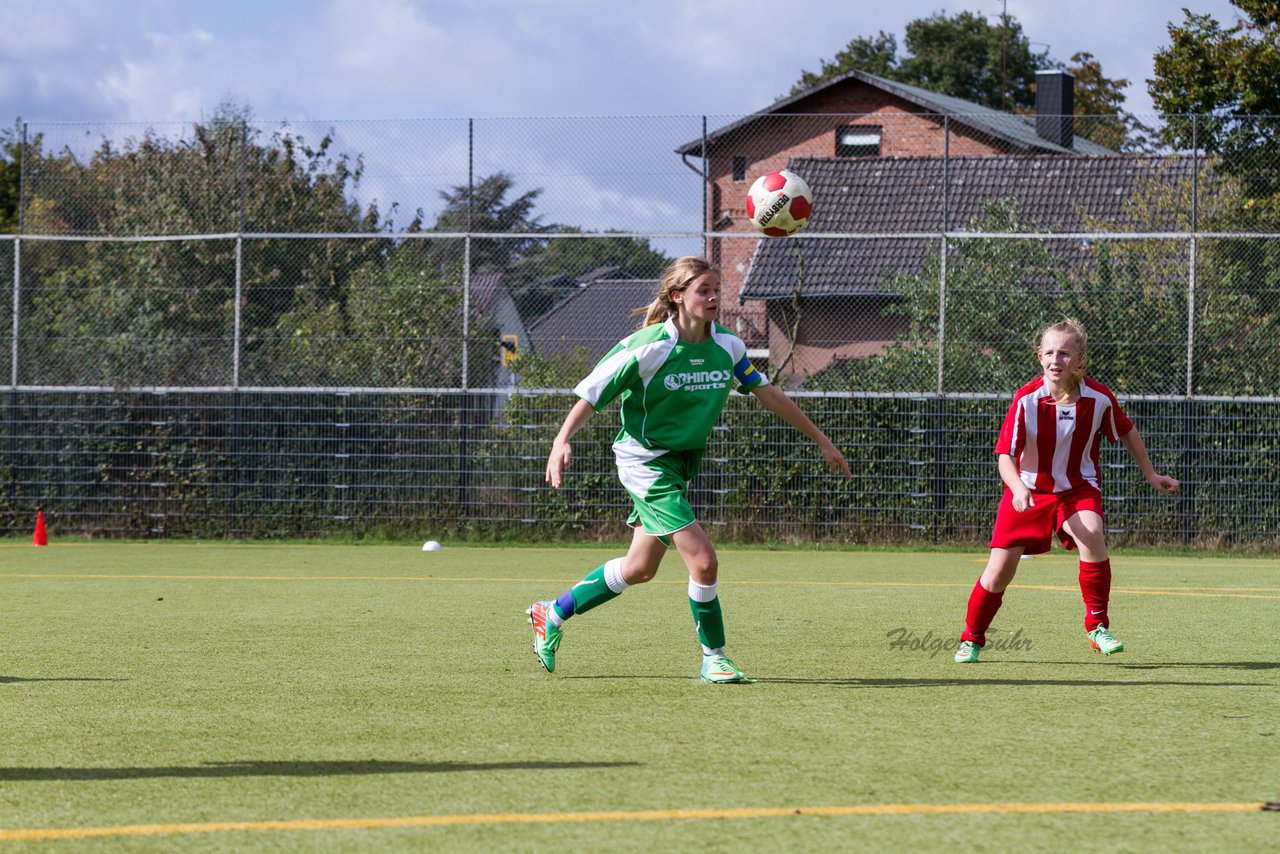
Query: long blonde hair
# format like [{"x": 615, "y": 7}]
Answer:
[
  {"x": 1073, "y": 329},
  {"x": 677, "y": 278}
]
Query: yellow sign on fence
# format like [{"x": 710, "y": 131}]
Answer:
[{"x": 509, "y": 344}]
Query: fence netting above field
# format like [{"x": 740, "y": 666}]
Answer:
[
  {"x": 248, "y": 280},
  {"x": 217, "y": 464}
]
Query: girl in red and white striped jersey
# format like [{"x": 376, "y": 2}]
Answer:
[{"x": 1048, "y": 451}]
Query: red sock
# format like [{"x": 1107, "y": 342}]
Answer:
[
  {"x": 983, "y": 605},
  {"x": 1095, "y": 587}
]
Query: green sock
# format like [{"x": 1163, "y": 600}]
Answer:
[
  {"x": 710, "y": 623},
  {"x": 591, "y": 591}
]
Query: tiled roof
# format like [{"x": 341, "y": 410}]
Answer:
[
  {"x": 611, "y": 271},
  {"x": 1018, "y": 131},
  {"x": 905, "y": 195},
  {"x": 484, "y": 289},
  {"x": 594, "y": 317},
  {"x": 565, "y": 281}
]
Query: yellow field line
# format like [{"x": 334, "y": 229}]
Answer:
[
  {"x": 1179, "y": 591},
  {"x": 1153, "y": 591},
  {"x": 1234, "y": 589},
  {"x": 1204, "y": 592},
  {"x": 50, "y": 833},
  {"x": 470, "y": 579}
]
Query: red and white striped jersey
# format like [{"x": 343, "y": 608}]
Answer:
[{"x": 1056, "y": 446}]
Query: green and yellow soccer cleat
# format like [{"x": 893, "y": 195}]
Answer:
[
  {"x": 720, "y": 670},
  {"x": 546, "y": 637},
  {"x": 968, "y": 652},
  {"x": 1104, "y": 642}
]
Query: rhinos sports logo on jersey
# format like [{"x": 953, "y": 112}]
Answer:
[{"x": 697, "y": 380}]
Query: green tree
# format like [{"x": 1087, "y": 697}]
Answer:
[
  {"x": 878, "y": 56},
  {"x": 10, "y": 179},
  {"x": 1231, "y": 74},
  {"x": 528, "y": 263},
  {"x": 162, "y": 312},
  {"x": 967, "y": 57},
  {"x": 1101, "y": 100},
  {"x": 399, "y": 324},
  {"x": 485, "y": 209},
  {"x": 1219, "y": 88},
  {"x": 991, "y": 64},
  {"x": 573, "y": 257},
  {"x": 964, "y": 56}
]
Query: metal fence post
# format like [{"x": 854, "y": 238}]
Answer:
[
  {"x": 466, "y": 258},
  {"x": 942, "y": 269},
  {"x": 242, "y": 223},
  {"x": 236, "y": 328},
  {"x": 1191, "y": 311},
  {"x": 1191, "y": 273},
  {"x": 241, "y": 178},
  {"x": 22, "y": 181},
  {"x": 1189, "y": 432},
  {"x": 1187, "y": 505},
  {"x": 17, "y": 294},
  {"x": 464, "y": 414},
  {"x": 1195, "y": 172},
  {"x": 946, "y": 172},
  {"x": 706, "y": 192},
  {"x": 938, "y": 419},
  {"x": 24, "y": 156}
]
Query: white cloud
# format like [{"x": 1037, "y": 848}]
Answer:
[
  {"x": 32, "y": 30},
  {"x": 159, "y": 60},
  {"x": 53, "y": 54},
  {"x": 158, "y": 81}
]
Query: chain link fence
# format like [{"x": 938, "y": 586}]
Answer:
[{"x": 242, "y": 329}]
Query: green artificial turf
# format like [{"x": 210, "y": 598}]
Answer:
[{"x": 167, "y": 684}]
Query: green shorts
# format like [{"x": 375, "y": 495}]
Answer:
[{"x": 660, "y": 490}]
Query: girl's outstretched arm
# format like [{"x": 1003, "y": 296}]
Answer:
[
  {"x": 561, "y": 452},
  {"x": 1137, "y": 449},
  {"x": 776, "y": 401}
]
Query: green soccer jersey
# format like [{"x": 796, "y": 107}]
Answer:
[{"x": 672, "y": 392}]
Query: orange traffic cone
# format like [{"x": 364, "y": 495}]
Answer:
[{"x": 41, "y": 538}]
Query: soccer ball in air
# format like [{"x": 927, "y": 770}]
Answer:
[{"x": 779, "y": 203}]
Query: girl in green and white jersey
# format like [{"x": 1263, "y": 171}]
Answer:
[{"x": 673, "y": 377}]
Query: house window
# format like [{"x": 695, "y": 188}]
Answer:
[
  {"x": 858, "y": 141},
  {"x": 739, "y": 168}
]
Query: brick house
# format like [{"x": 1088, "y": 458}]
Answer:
[
  {"x": 845, "y": 283},
  {"x": 846, "y": 131}
]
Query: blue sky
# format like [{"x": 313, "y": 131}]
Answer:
[
  {"x": 109, "y": 67},
  {"x": 175, "y": 60}
]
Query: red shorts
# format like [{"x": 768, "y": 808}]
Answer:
[{"x": 1033, "y": 528}]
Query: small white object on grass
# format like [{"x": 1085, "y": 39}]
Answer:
[
  {"x": 431, "y": 546},
  {"x": 1022, "y": 557}
]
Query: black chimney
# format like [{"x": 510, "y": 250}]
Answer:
[{"x": 1056, "y": 106}]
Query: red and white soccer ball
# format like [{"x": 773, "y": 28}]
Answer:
[{"x": 779, "y": 203}]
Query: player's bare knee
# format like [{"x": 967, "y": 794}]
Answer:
[
  {"x": 996, "y": 582},
  {"x": 704, "y": 567},
  {"x": 639, "y": 574},
  {"x": 1087, "y": 525}
]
